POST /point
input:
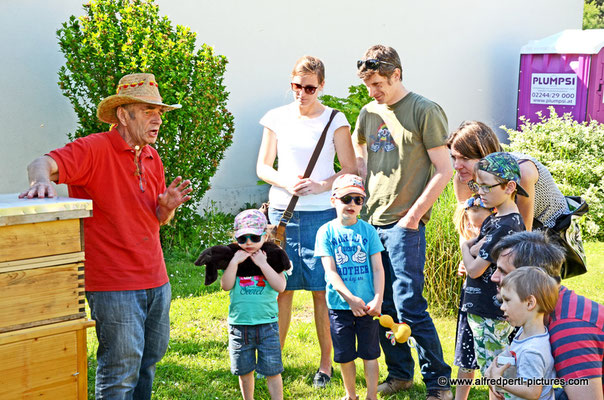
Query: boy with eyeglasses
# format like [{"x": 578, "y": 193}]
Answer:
[
  {"x": 350, "y": 251},
  {"x": 497, "y": 182}
]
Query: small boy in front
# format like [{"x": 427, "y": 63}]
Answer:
[
  {"x": 350, "y": 251},
  {"x": 528, "y": 295},
  {"x": 497, "y": 178}
]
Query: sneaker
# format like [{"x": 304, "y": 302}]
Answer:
[
  {"x": 321, "y": 379},
  {"x": 439, "y": 394},
  {"x": 393, "y": 385}
]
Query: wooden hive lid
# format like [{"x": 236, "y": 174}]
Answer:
[{"x": 14, "y": 211}]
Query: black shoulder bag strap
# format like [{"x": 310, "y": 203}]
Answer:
[{"x": 289, "y": 211}]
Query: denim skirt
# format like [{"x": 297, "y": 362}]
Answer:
[{"x": 301, "y": 231}]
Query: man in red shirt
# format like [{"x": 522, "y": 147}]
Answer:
[
  {"x": 576, "y": 327},
  {"x": 126, "y": 280}
]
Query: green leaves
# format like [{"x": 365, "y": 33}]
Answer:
[
  {"x": 118, "y": 37},
  {"x": 351, "y": 105},
  {"x": 574, "y": 154}
]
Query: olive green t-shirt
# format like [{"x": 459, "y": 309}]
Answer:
[{"x": 398, "y": 167}]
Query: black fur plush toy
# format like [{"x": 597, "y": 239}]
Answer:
[{"x": 218, "y": 257}]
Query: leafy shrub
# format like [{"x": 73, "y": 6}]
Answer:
[
  {"x": 351, "y": 105},
  {"x": 212, "y": 228},
  {"x": 442, "y": 256},
  {"x": 574, "y": 154},
  {"x": 593, "y": 14},
  {"x": 118, "y": 37}
]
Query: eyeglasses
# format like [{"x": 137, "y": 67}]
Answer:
[
  {"x": 296, "y": 87},
  {"x": 140, "y": 172},
  {"x": 254, "y": 238},
  {"x": 358, "y": 200},
  {"x": 475, "y": 187},
  {"x": 372, "y": 63}
]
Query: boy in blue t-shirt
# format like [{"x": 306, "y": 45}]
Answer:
[{"x": 350, "y": 251}]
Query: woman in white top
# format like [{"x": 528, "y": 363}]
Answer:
[{"x": 291, "y": 133}]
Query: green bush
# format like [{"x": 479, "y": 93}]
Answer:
[
  {"x": 118, "y": 37},
  {"x": 593, "y": 15},
  {"x": 574, "y": 154},
  {"x": 351, "y": 105},
  {"x": 443, "y": 255},
  {"x": 213, "y": 227}
]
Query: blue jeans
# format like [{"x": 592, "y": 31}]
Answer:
[
  {"x": 133, "y": 330},
  {"x": 255, "y": 347},
  {"x": 403, "y": 261}
]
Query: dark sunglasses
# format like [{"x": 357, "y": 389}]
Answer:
[
  {"x": 254, "y": 238},
  {"x": 372, "y": 63},
  {"x": 475, "y": 187},
  {"x": 308, "y": 89},
  {"x": 358, "y": 200}
]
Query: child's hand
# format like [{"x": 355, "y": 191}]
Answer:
[
  {"x": 374, "y": 308},
  {"x": 461, "y": 269},
  {"x": 470, "y": 242},
  {"x": 357, "y": 306},
  {"x": 240, "y": 256},
  {"x": 494, "y": 372},
  {"x": 259, "y": 258},
  {"x": 475, "y": 248}
]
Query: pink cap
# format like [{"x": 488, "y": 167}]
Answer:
[
  {"x": 250, "y": 222},
  {"x": 347, "y": 184}
]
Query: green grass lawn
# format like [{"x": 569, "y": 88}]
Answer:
[{"x": 196, "y": 365}]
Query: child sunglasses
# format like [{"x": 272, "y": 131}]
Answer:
[
  {"x": 308, "y": 88},
  {"x": 372, "y": 63},
  {"x": 254, "y": 238},
  {"x": 358, "y": 200}
]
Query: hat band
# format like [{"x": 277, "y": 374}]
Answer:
[{"x": 135, "y": 84}]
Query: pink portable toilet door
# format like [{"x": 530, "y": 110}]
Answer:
[{"x": 595, "y": 98}]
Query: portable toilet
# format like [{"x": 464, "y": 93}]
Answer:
[{"x": 566, "y": 71}]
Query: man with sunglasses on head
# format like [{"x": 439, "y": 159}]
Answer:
[
  {"x": 400, "y": 145},
  {"x": 126, "y": 280}
]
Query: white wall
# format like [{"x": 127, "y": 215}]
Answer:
[{"x": 461, "y": 54}]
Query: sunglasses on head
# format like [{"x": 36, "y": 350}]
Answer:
[
  {"x": 296, "y": 87},
  {"x": 254, "y": 238},
  {"x": 358, "y": 200},
  {"x": 372, "y": 63},
  {"x": 475, "y": 187}
]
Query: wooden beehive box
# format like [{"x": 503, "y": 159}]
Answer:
[
  {"x": 42, "y": 315},
  {"x": 47, "y": 361},
  {"x": 41, "y": 261}
]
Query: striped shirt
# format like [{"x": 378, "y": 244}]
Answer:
[{"x": 577, "y": 336}]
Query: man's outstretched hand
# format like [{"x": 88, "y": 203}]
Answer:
[{"x": 175, "y": 195}]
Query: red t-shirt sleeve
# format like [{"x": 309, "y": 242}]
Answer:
[{"x": 74, "y": 161}]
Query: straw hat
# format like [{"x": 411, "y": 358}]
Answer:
[{"x": 132, "y": 88}]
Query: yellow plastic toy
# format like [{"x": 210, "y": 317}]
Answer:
[{"x": 400, "y": 332}]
